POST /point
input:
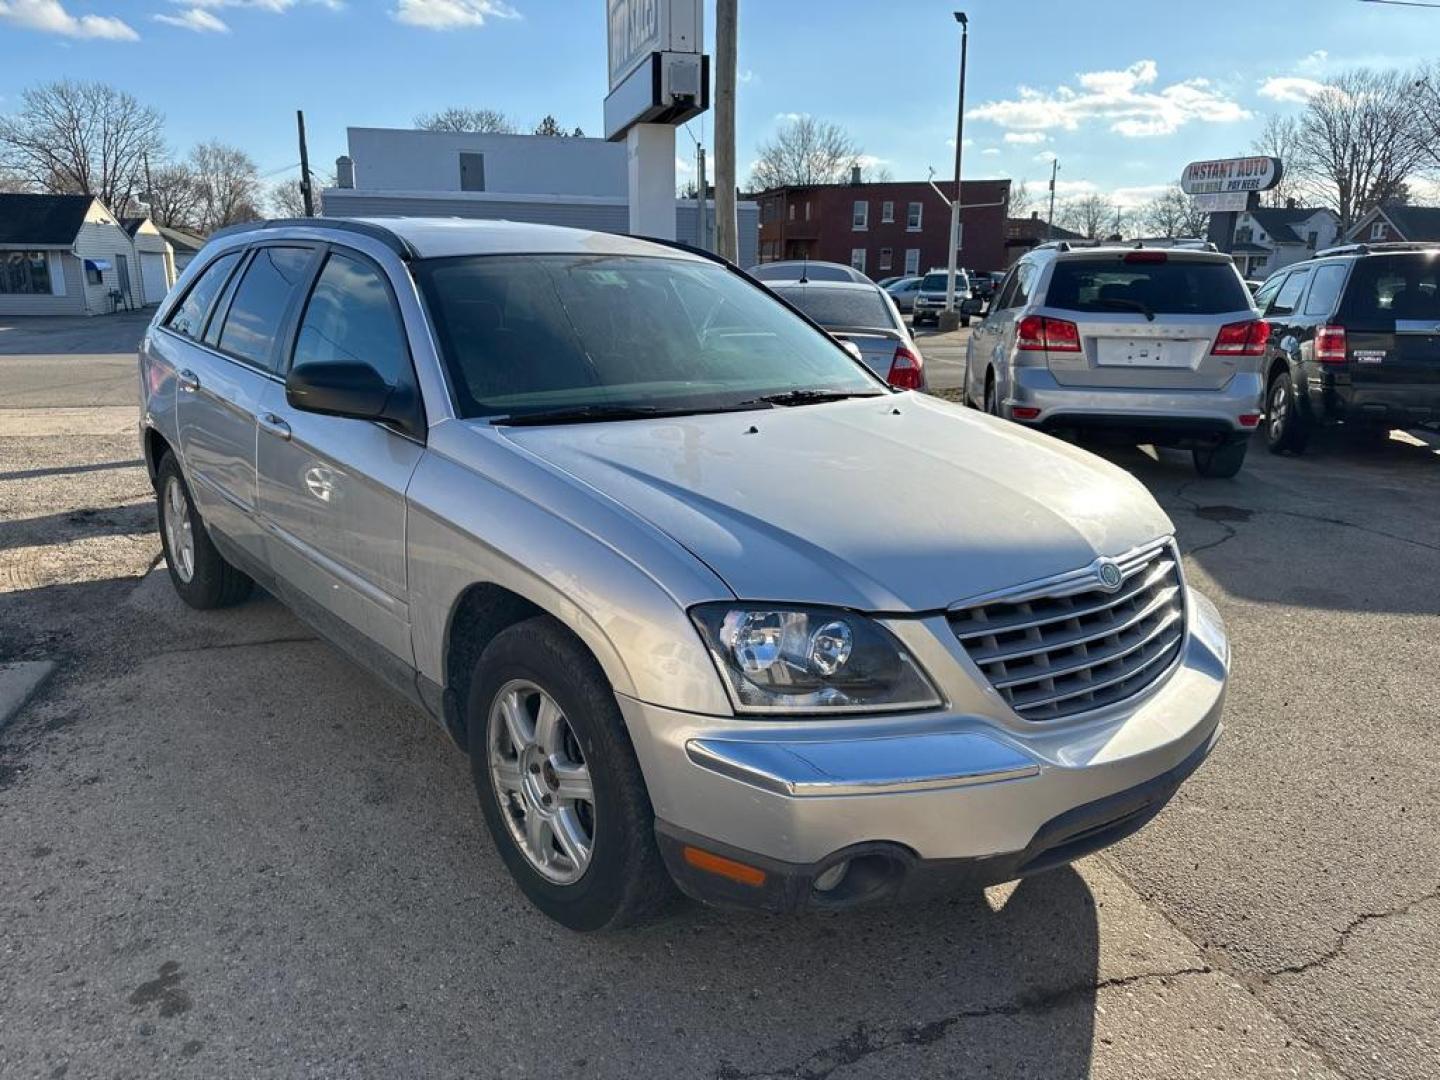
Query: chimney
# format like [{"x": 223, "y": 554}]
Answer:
[
  {"x": 344, "y": 172},
  {"x": 855, "y": 174},
  {"x": 1034, "y": 215},
  {"x": 1289, "y": 204}
]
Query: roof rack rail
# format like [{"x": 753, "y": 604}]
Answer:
[
  {"x": 1385, "y": 245},
  {"x": 394, "y": 242},
  {"x": 1194, "y": 243}
]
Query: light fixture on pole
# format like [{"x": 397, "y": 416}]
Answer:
[{"x": 949, "y": 320}]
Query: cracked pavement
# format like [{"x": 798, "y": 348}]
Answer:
[{"x": 226, "y": 852}]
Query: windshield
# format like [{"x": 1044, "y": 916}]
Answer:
[
  {"x": 537, "y": 333},
  {"x": 937, "y": 282},
  {"x": 1395, "y": 287},
  {"x": 1174, "y": 287},
  {"x": 840, "y": 307},
  {"x": 794, "y": 271}
]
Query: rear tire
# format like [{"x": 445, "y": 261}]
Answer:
[
  {"x": 992, "y": 397},
  {"x": 1286, "y": 430},
  {"x": 198, "y": 571},
  {"x": 1221, "y": 462},
  {"x": 621, "y": 877}
]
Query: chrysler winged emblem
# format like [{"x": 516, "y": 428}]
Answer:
[{"x": 1107, "y": 572}]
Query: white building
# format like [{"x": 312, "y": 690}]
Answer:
[
  {"x": 1272, "y": 237},
  {"x": 536, "y": 178}
]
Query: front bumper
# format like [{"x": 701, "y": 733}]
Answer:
[
  {"x": 1165, "y": 417},
  {"x": 969, "y": 791}
]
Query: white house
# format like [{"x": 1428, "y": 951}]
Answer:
[
  {"x": 579, "y": 182},
  {"x": 1276, "y": 236},
  {"x": 156, "y": 258},
  {"x": 69, "y": 255}
]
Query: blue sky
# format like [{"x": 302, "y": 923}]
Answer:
[{"x": 1123, "y": 91}]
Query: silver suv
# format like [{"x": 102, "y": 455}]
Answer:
[
  {"x": 930, "y": 297},
  {"x": 703, "y": 599},
  {"x": 1138, "y": 343}
]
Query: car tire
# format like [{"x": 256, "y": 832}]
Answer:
[
  {"x": 992, "y": 396},
  {"x": 1286, "y": 430},
  {"x": 200, "y": 574},
  {"x": 621, "y": 877},
  {"x": 1223, "y": 461},
  {"x": 965, "y": 322}
]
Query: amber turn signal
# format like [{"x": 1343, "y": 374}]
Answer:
[{"x": 726, "y": 868}]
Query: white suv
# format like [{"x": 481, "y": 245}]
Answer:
[{"x": 1146, "y": 344}]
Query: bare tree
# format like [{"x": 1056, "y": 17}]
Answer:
[
  {"x": 1170, "y": 214},
  {"x": 11, "y": 183},
  {"x": 1280, "y": 138},
  {"x": 229, "y": 185},
  {"x": 1427, "y": 105},
  {"x": 459, "y": 118},
  {"x": 284, "y": 199},
  {"x": 1093, "y": 216},
  {"x": 805, "y": 151},
  {"x": 175, "y": 196},
  {"x": 82, "y": 138},
  {"x": 1359, "y": 140},
  {"x": 1020, "y": 202}
]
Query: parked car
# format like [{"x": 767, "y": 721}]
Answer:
[
  {"x": 886, "y": 282},
  {"x": 1354, "y": 340},
  {"x": 903, "y": 291},
  {"x": 930, "y": 298},
  {"x": 866, "y": 317},
  {"x": 982, "y": 284},
  {"x": 1139, "y": 344},
  {"x": 806, "y": 270},
  {"x": 703, "y": 599}
]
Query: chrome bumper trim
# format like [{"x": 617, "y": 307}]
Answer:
[{"x": 802, "y": 768}]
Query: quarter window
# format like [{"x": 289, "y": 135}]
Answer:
[
  {"x": 189, "y": 317},
  {"x": 350, "y": 319},
  {"x": 1328, "y": 282},
  {"x": 261, "y": 299}
]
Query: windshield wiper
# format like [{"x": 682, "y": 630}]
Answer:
[
  {"x": 805, "y": 397},
  {"x": 584, "y": 414},
  {"x": 1131, "y": 305}
]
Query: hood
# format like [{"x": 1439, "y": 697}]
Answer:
[{"x": 898, "y": 504}]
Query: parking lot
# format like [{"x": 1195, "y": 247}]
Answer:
[{"x": 226, "y": 852}]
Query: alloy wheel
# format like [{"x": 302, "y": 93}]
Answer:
[
  {"x": 179, "y": 531},
  {"x": 1278, "y": 401}
]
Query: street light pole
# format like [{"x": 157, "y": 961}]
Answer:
[
  {"x": 951, "y": 319},
  {"x": 1050, "y": 220}
]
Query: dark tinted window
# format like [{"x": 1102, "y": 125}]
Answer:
[
  {"x": 1024, "y": 280},
  {"x": 1173, "y": 287},
  {"x": 839, "y": 307},
  {"x": 1394, "y": 287},
  {"x": 350, "y": 318},
  {"x": 1289, "y": 294},
  {"x": 1326, "y": 289},
  {"x": 938, "y": 282},
  {"x": 189, "y": 317},
  {"x": 260, "y": 302},
  {"x": 794, "y": 271},
  {"x": 531, "y": 333}
]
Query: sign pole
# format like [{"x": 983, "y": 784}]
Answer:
[{"x": 650, "y": 151}]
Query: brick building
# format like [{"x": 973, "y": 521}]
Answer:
[{"x": 884, "y": 229}]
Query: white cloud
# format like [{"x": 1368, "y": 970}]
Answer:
[
  {"x": 1130, "y": 100},
  {"x": 1314, "y": 63},
  {"x": 789, "y": 117},
  {"x": 683, "y": 166},
  {"x": 1025, "y": 136},
  {"x": 1069, "y": 189},
  {"x": 990, "y": 151},
  {"x": 967, "y": 143},
  {"x": 452, "y": 14},
  {"x": 50, "y": 16},
  {"x": 1292, "y": 88},
  {"x": 275, "y": 6},
  {"x": 748, "y": 75},
  {"x": 1046, "y": 156},
  {"x": 1130, "y": 197},
  {"x": 196, "y": 19}
]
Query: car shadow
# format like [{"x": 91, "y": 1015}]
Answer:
[{"x": 80, "y": 524}]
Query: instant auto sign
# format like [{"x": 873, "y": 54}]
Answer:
[
  {"x": 634, "y": 35},
  {"x": 1228, "y": 175}
]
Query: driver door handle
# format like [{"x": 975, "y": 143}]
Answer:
[
  {"x": 187, "y": 380},
  {"x": 274, "y": 425}
]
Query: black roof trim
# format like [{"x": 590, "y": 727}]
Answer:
[{"x": 391, "y": 240}]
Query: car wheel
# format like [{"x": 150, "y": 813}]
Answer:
[
  {"x": 198, "y": 571},
  {"x": 965, "y": 321},
  {"x": 559, "y": 783},
  {"x": 992, "y": 396},
  {"x": 1285, "y": 428},
  {"x": 1221, "y": 462}
]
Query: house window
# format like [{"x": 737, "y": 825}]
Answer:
[
  {"x": 860, "y": 219},
  {"x": 472, "y": 172},
  {"x": 857, "y": 259},
  {"x": 1311, "y": 239},
  {"x": 913, "y": 216},
  {"x": 1244, "y": 235},
  {"x": 912, "y": 261},
  {"x": 790, "y": 211},
  {"x": 887, "y": 212},
  {"x": 1378, "y": 231},
  {"x": 94, "y": 271},
  {"x": 25, "y": 272},
  {"x": 885, "y": 256}
]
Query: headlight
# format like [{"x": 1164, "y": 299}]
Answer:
[{"x": 791, "y": 660}]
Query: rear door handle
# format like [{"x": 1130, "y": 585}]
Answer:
[
  {"x": 274, "y": 425},
  {"x": 187, "y": 380}
]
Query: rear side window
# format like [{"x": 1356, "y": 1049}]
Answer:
[
  {"x": 351, "y": 319},
  {"x": 189, "y": 317},
  {"x": 1289, "y": 294},
  {"x": 1329, "y": 280},
  {"x": 261, "y": 299},
  {"x": 841, "y": 307},
  {"x": 1173, "y": 287},
  {"x": 1267, "y": 292},
  {"x": 1394, "y": 287}
]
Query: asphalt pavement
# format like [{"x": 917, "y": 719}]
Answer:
[{"x": 226, "y": 852}]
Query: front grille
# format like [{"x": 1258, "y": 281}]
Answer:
[{"x": 1073, "y": 646}]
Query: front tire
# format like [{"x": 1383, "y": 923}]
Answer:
[
  {"x": 1286, "y": 430},
  {"x": 558, "y": 781},
  {"x": 1221, "y": 462},
  {"x": 198, "y": 571}
]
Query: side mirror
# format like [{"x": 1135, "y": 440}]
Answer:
[{"x": 354, "y": 389}]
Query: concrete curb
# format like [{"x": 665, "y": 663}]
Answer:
[{"x": 18, "y": 683}]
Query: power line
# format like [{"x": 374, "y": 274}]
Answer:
[{"x": 1404, "y": 3}]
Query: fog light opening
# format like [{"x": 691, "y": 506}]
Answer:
[{"x": 831, "y": 877}]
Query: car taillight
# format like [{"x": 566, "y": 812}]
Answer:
[
  {"x": 1036, "y": 333},
  {"x": 1241, "y": 339},
  {"x": 907, "y": 370},
  {"x": 1330, "y": 345},
  {"x": 1146, "y": 257}
]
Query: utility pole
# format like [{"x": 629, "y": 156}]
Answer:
[
  {"x": 701, "y": 232},
  {"x": 951, "y": 319},
  {"x": 304, "y": 166},
  {"x": 726, "y": 227},
  {"x": 1050, "y": 220},
  {"x": 149, "y": 184}
]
